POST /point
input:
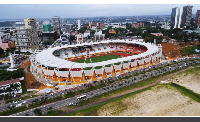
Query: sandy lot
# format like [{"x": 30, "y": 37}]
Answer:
[
  {"x": 159, "y": 101},
  {"x": 190, "y": 80}
]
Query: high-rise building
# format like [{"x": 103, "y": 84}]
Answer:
[
  {"x": 79, "y": 24},
  {"x": 99, "y": 36},
  {"x": 26, "y": 39},
  {"x": 49, "y": 36},
  {"x": 56, "y": 25},
  {"x": 30, "y": 23},
  {"x": 198, "y": 18},
  {"x": 46, "y": 27},
  {"x": 176, "y": 17},
  {"x": 66, "y": 28},
  {"x": 186, "y": 15}
]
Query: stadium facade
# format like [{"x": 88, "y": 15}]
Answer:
[{"x": 56, "y": 64}]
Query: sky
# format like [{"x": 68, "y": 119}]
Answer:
[{"x": 21, "y": 11}]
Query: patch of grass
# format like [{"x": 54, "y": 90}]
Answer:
[
  {"x": 98, "y": 58},
  {"x": 24, "y": 98},
  {"x": 34, "y": 105},
  {"x": 108, "y": 65},
  {"x": 98, "y": 67},
  {"x": 23, "y": 85},
  {"x": 13, "y": 111},
  {"x": 190, "y": 71},
  {"x": 87, "y": 68},
  {"x": 136, "y": 85},
  {"x": 92, "y": 111},
  {"x": 187, "y": 92},
  {"x": 53, "y": 113},
  {"x": 141, "y": 83}
]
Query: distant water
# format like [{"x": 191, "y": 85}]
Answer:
[{"x": 3, "y": 20}]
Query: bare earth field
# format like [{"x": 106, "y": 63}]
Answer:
[
  {"x": 159, "y": 101},
  {"x": 190, "y": 79}
]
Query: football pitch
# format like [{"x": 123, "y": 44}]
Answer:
[{"x": 98, "y": 58}]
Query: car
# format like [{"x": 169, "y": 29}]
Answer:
[
  {"x": 24, "y": 102},
  {"x": 11, "y": 106},
  {"x": 35, "y": 100},
  {"x": 15, "y": 101},
  {"x": 44, "y": 98},
  {"x": 18, "y": 105}
]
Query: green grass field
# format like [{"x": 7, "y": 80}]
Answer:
[{"x": 99, "y": 58}]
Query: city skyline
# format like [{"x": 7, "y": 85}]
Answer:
[{"x": 20, "y": 11}]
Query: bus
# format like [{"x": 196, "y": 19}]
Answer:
[{"x": 83, "y": 97}]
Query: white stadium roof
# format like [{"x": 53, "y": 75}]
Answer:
[{"x": 47, "y": 58}]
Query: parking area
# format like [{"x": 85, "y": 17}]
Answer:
[{"x": 119, "y": 83}]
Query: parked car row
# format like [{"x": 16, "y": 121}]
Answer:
[{"x": 163, "y": 68}]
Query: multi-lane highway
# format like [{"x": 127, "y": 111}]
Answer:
[{"x": 112, "y": 86}]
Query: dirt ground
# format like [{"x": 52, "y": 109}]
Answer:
[
  {"x": 190, "y": 80},
  {"x": 159, "y": 101},
  {"x": 141, "y": 106},
  {"x": 30, "y": 81},
  {"x": 173, "y": 50}
]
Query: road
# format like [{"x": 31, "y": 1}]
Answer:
[{"x": 113, "y": 86}]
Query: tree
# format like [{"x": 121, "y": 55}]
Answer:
[
  {"x": 148, "y": 37},
  {"x": 12, "y": 49},
  {"x": 7, "y": 50},
  {"x": 11, "y": 86},
  {"x": 72, "y": 38},
  {"x": 128, "y": 26},
  {"x": 82, "y": 30},
  {"x": 1, "y": 52},
  {"x": 38, "y": 112},
  {"x": 15, "y": 86},
  {"x": 185, "y": 37},
  {"x": 88, "y": 37},
  {"x": 193, "y": 35}
]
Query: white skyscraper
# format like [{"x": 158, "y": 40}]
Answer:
[
  {"x": 176, "y": 17},
  {"x": 79, "y": 24}
]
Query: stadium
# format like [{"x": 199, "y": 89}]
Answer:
[{"x": 88, "y": 62}]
